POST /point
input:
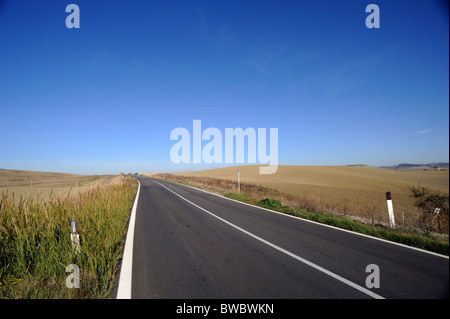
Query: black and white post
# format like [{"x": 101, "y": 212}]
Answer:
[
  {"x": 390, "y": 210},
  {"x": 74, "y": 236}
]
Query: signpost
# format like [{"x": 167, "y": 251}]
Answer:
[{"x": 390, "y": 209}]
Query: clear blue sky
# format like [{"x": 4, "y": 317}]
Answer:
[{"x": 104, "y": 98}]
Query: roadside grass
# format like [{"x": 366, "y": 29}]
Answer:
[
  {"x": 357, "y": 218},
  {"x": 36, "y": 247}
]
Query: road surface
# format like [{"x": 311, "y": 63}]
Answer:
[{"x": 189, "y": 244}]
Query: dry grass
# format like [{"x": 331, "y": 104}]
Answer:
[{"x": 357, "y": 192}]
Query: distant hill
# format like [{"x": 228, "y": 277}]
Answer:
[{"x": 408, "y": 166}]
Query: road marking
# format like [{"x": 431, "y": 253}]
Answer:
[
  {"x": 307, "y": 262},
  {"x": 124, "y": 289}
]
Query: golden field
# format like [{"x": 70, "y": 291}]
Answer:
[
  {"x": 33, "y": 184},
  {"x": 358, "y": 191}
]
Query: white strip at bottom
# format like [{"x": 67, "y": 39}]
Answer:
[{"x": 124, "y": 289}]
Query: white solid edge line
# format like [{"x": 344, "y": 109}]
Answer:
[
  {"x": 317, "y": 267},
  {"x": 321, "y": 224},
  {"x": 124, "y": 289}
]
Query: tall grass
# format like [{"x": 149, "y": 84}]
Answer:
[{"x": 36, "y": 248}]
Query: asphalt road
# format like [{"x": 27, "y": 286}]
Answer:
[{"x": 192, "y": 244}]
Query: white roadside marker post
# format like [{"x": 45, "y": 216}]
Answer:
[
  {"x": 390, "y": 210},
  {"x": 74, "y": 236}
]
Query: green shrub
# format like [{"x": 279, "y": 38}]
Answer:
[
  {"x": 274, "y": 204},
  {"x": 434, "y": 209}
]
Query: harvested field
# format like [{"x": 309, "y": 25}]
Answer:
[
  {"x": 32, "y": 184},
  {"x": 353, "y": 191}
]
